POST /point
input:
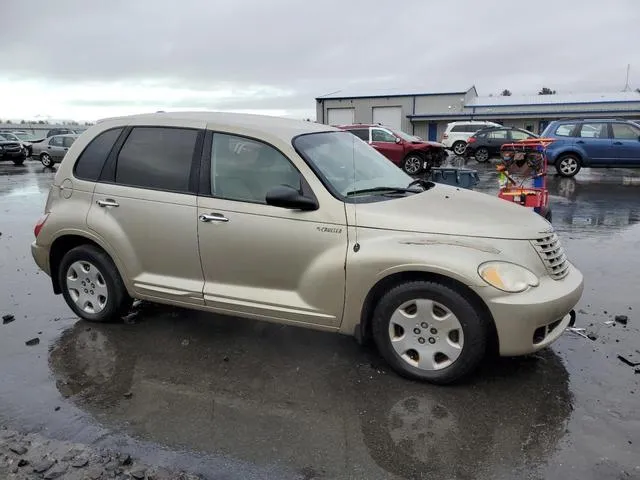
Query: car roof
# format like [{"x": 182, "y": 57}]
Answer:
[
  {"x": 73, "y": 135},
  {"x": 285, "y": 128}
]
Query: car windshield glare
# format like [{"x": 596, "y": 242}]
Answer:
[
  {"x": 348, "y": 164},
  {"x": 406, "y": 137}
]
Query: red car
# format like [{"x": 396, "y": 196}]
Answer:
[{"x": 410, "y": 153}]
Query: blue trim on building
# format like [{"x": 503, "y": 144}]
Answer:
[
  {"x": 392, "y": 96},
  {"x": 523, "y": 114},
  {"x": 545, "y": 104}
]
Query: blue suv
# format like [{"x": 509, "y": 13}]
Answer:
[{"x": 592, "y": 143}]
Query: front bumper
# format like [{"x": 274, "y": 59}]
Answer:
[
  {"x": 529, "y": 321},
  {"x": 41, "y": 257}
]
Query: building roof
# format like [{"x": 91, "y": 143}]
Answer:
[
  {"x": 557, "y": 99},
  {"x": 393, "y": 92}
]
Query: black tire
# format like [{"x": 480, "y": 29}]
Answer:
[
  {"x": 412, "y": 164},
  {"x": 459, "y": 148},
  {"x": 46, "y": 160},
  {"x": 482, "y": 155},
  {"x": 568, "y": 165},
  {"x": 18, "y": 162},
  {"x": 118, "y": 301},
  {"x": 475, "y": 329}
]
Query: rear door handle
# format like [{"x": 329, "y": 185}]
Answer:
[
  {"x": 108, "y": 203},
  {"x": 580, "y": 141},
  {"x": 214, "y": 217}
]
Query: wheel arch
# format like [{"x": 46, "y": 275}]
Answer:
[
  {"x": 60, "y": 247},
  {"x": 363, "y": 331}
]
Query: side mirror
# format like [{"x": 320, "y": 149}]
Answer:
[
  {"x": 398, "y": 140},
  {"x": 284, "y": 196}
]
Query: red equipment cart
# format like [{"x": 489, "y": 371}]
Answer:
[{"x": 527, "y": 158}]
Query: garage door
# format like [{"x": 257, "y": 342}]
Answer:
[
  {"x": 340, "y": 116},
  {"x": 388, "y": 116}
]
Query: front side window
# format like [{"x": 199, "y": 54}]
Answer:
[
  {"x": 68, "y": 141},
  {"x": 565, "y": 130},
  {"x": 379, "y": 135},
  {"x": 593, "y": 130},
  {"x": 56, "y": 142},
  {"x": 158, "y": 158},
  {"x": 347, "y": 165},
  {"x": 623, "y": 131},
  {"x": 92, "y": 158},
  {"x": 244, "y": 170}
]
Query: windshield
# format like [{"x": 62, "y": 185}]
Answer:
[
  {"x": 10, "y": 137},
  {"x": 25, "y": 136},
  {"x": 406, "y": 137},
  {"x": 348, "y": 164}
]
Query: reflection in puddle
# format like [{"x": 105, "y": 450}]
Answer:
[{"x": 269, "y": 394}]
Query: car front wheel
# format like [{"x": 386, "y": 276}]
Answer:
[
  {"x": 429, "y": 331},
  {"x": 412, "y": 165},
  {"x": 459, "y": 148},
  {"x": 45, "y": 158},
  {"x": 91, "y": 284},
  {"x": 568, "y": 165}
]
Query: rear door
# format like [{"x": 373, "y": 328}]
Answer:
[
  {"x": 495, "y": 139},
  {"x": 594, "y": 139},
  {"x": 56, "y": 148},
  {"x": 626, "y": 144},
  {"x": 386, "y": 143},
  {"x": 145, "y": 208}
]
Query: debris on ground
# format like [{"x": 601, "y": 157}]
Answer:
[
  {"x": 630, "y": 359},
  {"x": 580, "y": 331},
  {"x": 32, "y": 342},
  {"x": 185, "y": 342},
  {"x": 130, "y": 319},
  {"x": 128, "y": 395},
  {"x": 52, "y": 459},
  {"x": 7, "y": 318},
  {"x": 592, "y": 337},
  {"x": 621, "y": 319}
]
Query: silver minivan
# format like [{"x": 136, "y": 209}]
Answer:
[{"x": 303, "y": 224}]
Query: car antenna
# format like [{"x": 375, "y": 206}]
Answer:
[{"x": 356, "y": 245}]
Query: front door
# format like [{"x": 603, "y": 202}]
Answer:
[
  {"x": 263, "y": 261},
  {"x": 56, "y": 148},
  {"x": 626, "y": 144},
  {"x": 145, "y": 209},
  {"x": 593, "y": 138},
  {"x": 387, "y": 144}
]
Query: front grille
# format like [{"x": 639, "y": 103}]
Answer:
[
  {"x": 552, "y": 255},
  {"x": 11, "y": 147}
]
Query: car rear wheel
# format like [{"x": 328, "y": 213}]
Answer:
[
  {"x": 91, "y": 285},
  {"x": 459, "y": 148},
  {"x": 412, "y": 165},
  {"x": 45, "y": 158},
  {"x": 429, "y": 331},
  {"x": 482, "y": 155},
  {"x": 568, "y": 165}
]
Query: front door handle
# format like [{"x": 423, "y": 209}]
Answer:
[
  {"x": 617, "y": 143},
  {"x": 580, "y": 141},
  {"x": 214, "y": 217},
  {"x": 108, "y": 203}
]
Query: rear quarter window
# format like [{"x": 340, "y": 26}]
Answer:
[{"x": 92, "y": 158}]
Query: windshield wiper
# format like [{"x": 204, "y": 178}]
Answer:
[
  {"x": 426, "y": 184},
  {"x": 382, "y": 190}
]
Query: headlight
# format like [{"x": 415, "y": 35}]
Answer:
[{"x": 507, "y": 277}]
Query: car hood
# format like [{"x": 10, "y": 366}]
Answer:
[
  {"x": 427, "y": 144},
  {"x": 453, "y": 211}
]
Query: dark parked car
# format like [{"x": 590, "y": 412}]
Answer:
[
  {"x": 406, "y": 151},
  {"x": 11, "y": 150},
  {"x": 593, "y": 143},
  {"x": 61, "y": 131},
  {"x": 487, "y": 142}
]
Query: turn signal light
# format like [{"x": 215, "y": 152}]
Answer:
[{"x": 40, "y": 224}]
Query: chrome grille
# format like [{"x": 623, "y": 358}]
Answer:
[{"x": 552, "y": 254}]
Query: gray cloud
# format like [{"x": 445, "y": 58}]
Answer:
[{"x": 310, "y": 48}]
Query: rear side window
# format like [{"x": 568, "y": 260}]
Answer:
[
  {"x": 56, "y": 141},
  {"x": 623, "y": 131},
  {"x": 463, "y": 128},
  {"x": 594, "y": 130},
  {"x": 158, "y": 158},
  {"x": 498, "y": 134},
  {"x": 565, "y": 129},
  {"x": 68, "y": 141},
  {"x": 362, "y": 133},
  {"x": 89, "y": 165}
]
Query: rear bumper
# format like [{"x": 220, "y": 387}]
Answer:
[
  {"x": 529, "y": 321},
  {"x": 41, "y": 257}
]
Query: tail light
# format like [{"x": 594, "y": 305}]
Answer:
[
  {"x": 40, "y": 224},
  {"x": 471, "y": 140},
  {"x": 445, "y": 136}
]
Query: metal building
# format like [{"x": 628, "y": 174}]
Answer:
[{"x": 427, "y": 114}]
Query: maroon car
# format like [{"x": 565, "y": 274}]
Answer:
[{"x": 410, "y": 153}]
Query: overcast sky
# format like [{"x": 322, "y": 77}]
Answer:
[{"x": 84, "y": 60}]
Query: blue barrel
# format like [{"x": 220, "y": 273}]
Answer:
[{"x": 458, "y": 177}]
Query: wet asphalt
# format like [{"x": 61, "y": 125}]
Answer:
[{"x": 236, "y": 399}]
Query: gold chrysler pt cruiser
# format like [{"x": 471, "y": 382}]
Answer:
[{"x": 303, "y": 224}]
